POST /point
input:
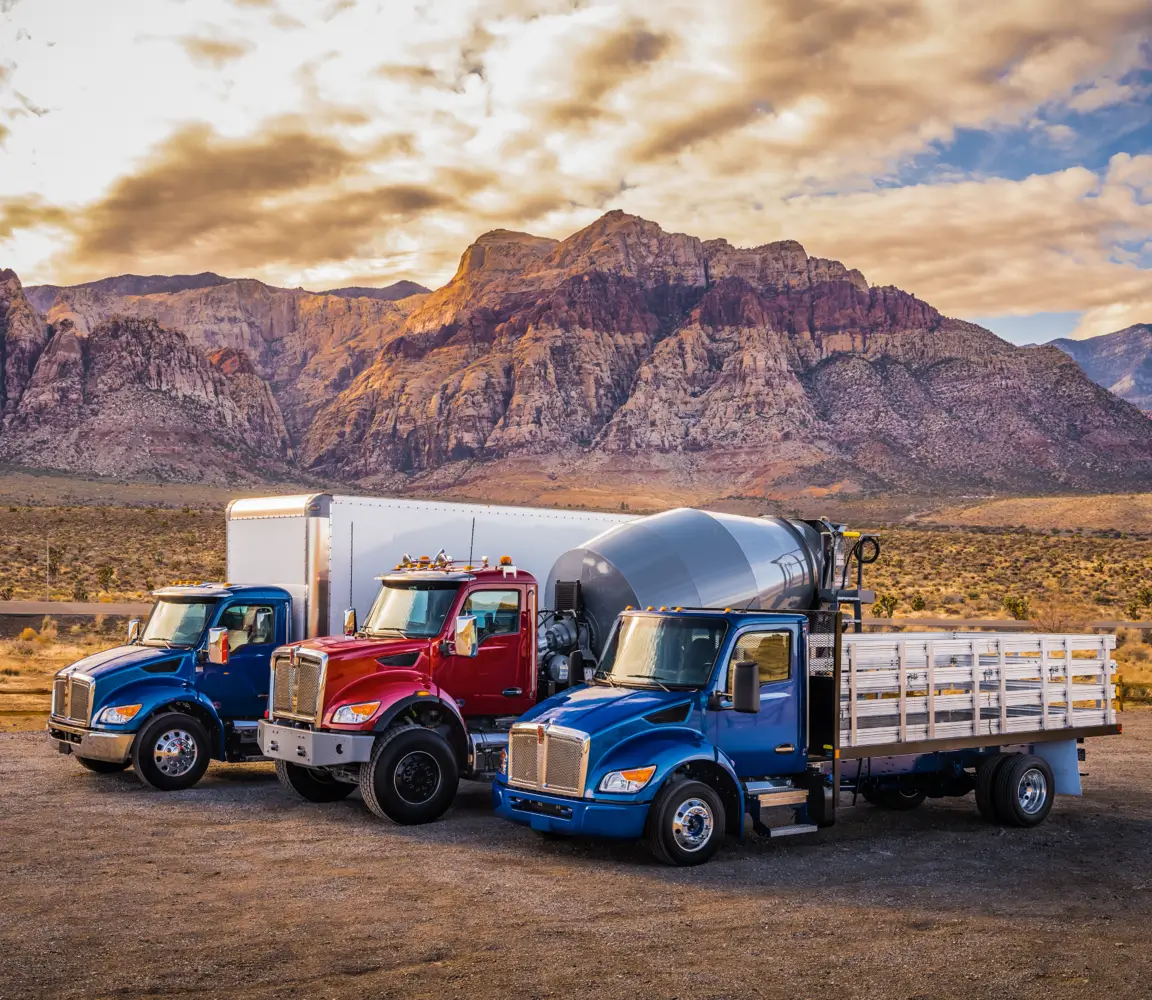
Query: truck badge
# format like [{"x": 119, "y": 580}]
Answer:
[{"x": 539, "y": 735}]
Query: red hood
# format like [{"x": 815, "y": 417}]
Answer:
[{"x": 351, "y": 659}]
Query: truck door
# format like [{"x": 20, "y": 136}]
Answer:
[
  {"x": 498, "y": 680},
  {"x": 239, "y": 688},
  {"x": 771, "y": 742}
]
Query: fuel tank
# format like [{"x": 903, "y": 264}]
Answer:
[{"x": 694, "y": 559}]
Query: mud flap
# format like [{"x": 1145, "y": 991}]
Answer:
[{"x": 1065, "y": 763}]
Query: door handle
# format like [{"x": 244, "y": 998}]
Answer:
[
  {"x": 786, "y": 748},
  {"x": 512, "y": 692}
]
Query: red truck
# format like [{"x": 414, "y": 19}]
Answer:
[{"x": 421, "y": 695}]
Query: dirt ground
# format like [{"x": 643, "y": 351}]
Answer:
[{"x": 236, "y": 888}]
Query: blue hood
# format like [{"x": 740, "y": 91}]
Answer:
[
  {"x": 111, "y": 661},
  {"x": 596, "y": 708}
]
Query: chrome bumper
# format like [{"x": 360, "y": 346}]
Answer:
[
  {"x": 92, "y": 744},
  {"x": 312, "y": 748}
]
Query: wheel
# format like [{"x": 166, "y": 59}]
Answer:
[
  {"x": 171, "y": 752},
  {"x": 1024, "y": 790},
  {"x": 412, "y": 776},
  {"x": 685, "y": 823},
  {"x": 312, "y": 783},
  {"x": 985, "y": 780},
  {"x": 102, "y": 766},
  {"x": 898, "y": 799}
]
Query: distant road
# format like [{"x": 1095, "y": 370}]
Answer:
[
  {"x": 1004, "y": 623},
  {"x": 39, "y": 608}
]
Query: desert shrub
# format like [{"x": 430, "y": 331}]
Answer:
[
  {"x": 79, "y": 591},
  {"x": 105, "y": 575},
  {"x": 885, "y": 605},
  {"x": 27, "y": 634},
  {"x": 1018, "y": 607},
  {"x": 916, "y": 603}
]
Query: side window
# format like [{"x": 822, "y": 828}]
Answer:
[
  {"x": 497, "y": 612},
  {"x": 249, "y": 625},
  {"x": 770, "y": 651}
]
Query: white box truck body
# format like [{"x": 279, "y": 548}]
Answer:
[{"x": 327, "y": 550}]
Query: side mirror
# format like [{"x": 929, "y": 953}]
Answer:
[
  {"x": 265, "y": 624},
  {"x": 350, "y": 621},
  {"x": 467, "y": 638},
  {"x": 746, "y": 687},
  {"x": 133, "y": 631},
  {"x": 218, "y": 645}
]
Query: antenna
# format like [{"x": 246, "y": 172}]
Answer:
[{"x": 472, "y": 542}]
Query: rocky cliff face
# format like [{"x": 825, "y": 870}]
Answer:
[
  {"x": 621, "y": 348},
  {"x": 1121, "y": 362}
]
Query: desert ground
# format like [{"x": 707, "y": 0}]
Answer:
[{"x": 236, "y": 888}]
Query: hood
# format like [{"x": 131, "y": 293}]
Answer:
[
  {"x": 111, "y": 661},
  {"x": 343, "y": 645},
  {"x": 595, "y": 708}
]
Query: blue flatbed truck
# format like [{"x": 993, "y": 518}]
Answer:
[{"x": 697, "y": 718}]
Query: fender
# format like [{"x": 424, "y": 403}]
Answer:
[
  {"x": 669, "y": 748},
  {"x": 158, "y": 695}
]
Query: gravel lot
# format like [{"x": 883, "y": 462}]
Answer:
[{"x": 235, "y": 888}]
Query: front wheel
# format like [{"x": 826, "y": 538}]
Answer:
[
  {"x": 103, "y": 766},
  {"x": 412, "y": 776},
  {"x": 685, "y": 823},
  {"x": 171, "y": 752},
  {"x": 312, "y": 783}
]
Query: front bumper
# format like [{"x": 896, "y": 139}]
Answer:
[
  {"x": 91, "y": 744},
  {"x": 576, "y": 817},
  {"x": 313, "y": 747}
]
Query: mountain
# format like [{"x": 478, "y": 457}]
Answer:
[
  {"x": 42, "y": 296},
  {"x": 389, "y": 293},
  {"x": 1121, "y": 362},
  {"x": 621, "y": 353}
]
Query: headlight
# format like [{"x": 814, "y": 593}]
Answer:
[
  {"x": 119, "y": 714},
  {"x": 356, "y": 713},
  {"x": 627, "y": 781}
]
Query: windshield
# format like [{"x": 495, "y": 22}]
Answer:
[
  {"x": 663, "y": 652},
  {"x": 411, "y": 609},
  {"x": 176, "y": 623}
]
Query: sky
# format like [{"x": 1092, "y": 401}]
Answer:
[{"x": 993, "y": 157}]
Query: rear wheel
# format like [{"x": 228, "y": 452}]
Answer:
[
  {"x": 171, "y": 752},
  {"x": 1024, "y": 790},
  {"x": 985, "y": 781},
  {"x": 898, "y": 799},
  {"x": 685, "y": 823},
  {"x": 312, "y": 783},
  {"x": 412, "y": 776},
  {"x": 103, "y": 766}
]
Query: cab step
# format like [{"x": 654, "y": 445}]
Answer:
[{"x": 793, "y": 830}]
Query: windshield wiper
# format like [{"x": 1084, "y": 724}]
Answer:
[
  {"x": 598, "y": 676},
  {"x": 644, "y": 677},
  {"x": 167, "y": 643},
  {"x": 387, "y": 630}
]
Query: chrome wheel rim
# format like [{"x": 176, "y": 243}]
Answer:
[
  {"x": 692, "y": 824},
  {"x": 417, "y": 777},
  {"x": 175, "y": 752},
  {"x": 1032, "y": 791}
]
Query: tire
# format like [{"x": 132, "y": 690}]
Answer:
[
  {"x": 171, "y": 752},
  {"x": 685, "y": 823},
  {"x": 985, "y": 781},
  {"x": 311, "y": 783},
  {"x": 896, "y": 799},
  {"x": 103, "y": 766},
  {"x": 411, "y": 777},
  {"x": 1024, "y": 790}
]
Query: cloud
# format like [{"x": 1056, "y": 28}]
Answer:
[
  {"x": 214, "y": 51},
  {"x": 28, "y": 212}
]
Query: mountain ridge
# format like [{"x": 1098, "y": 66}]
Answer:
[
  {"x": 1121, "y": 361},
  {"x": 623, "y": 350}
]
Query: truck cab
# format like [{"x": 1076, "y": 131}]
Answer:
[
  {"x": 422, "y": 692},
  {"x": 188, "y": 687},
  {"x": 688, "y": 712}
]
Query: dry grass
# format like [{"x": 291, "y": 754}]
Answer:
[
  {"x": 1112, "y": 511},
  {"x": 28, "y": 661}
]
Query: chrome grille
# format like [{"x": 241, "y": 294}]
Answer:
[
  {"x": 562, "y": 763},
  {"x": 60, "y": 697},
  {"x": 298, "y": 687},
  {"x": 72, "y": 698},
  {"x": 522, "y": 760},
  {"x": 554, "y": 761}
]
